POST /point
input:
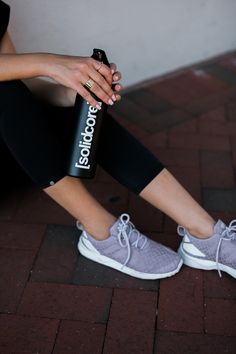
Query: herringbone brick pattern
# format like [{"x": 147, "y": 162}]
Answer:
[{"x": 54, "y": 301}]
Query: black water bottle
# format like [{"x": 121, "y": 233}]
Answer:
[{"x": 88, "y": 123}]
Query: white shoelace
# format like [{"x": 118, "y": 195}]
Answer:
[
  {"x": 228, "y": 234},
  {"x": 124, "y": 237}
]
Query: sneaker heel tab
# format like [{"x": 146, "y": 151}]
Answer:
[
  {"x": 181, "y": 230},
  {"x": 79, "y": 225}
]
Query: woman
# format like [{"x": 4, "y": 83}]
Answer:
[{"x": 40, "y": 147}]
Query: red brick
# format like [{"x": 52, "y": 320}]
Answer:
[
  {"x": 210, "y": 102},
  {"x": 191, "y": 343},
  {"x": 210, "y": 82},
  {"x": 189, "y": 177},
  {"x": 24, "y": 236},
  {"x": 166, "y": 120},
  {"x": 23, "y": 335},
  {"x": 233, "y": 145},
  {"x": 155, "y": 140},
  {"x": 225, "y": 216},
  {"x": 66, "y": 302},
  {"x": 178, "y": 157},
  {"x": 58, "y": 255},
  {"x": 211, "y": 127},
  {"x": 106, "y": 192},
  {"x": 9, "y": 205},
  {"x": 170, "y": 226},
  {"x": 15, "y": 266},
  {"x": 103, "y": 176},
  {"x": 180, "y": 305},
  {"x": 220, "y": 317},
  {"x": 37, "y": 207},
  {"x": 112, "y": 196},
  {"x": 133, "y": 112},
  {"x": 216, "y": 115},
  {"x": 119, "y": 117},
  {"x": 185, "y": 127},
  {"x": 132, "y": 322},
  {"x": 186, "y": 87},
  {"x": 79, "y": 337},
  {"x": 229, "y": 62},
  {"x": 137, "y": 131},
  {"x": 216, "y": 168},
  {"x": 231, "y": 111},
  {"x": 197, "y": 141},
  {"x": 144, "y": 216},
  {"x": 92, "y": 273},
  {"x": 217, "y": 287}
]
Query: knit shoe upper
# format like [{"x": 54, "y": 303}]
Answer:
[
  {"x": 217, "y": 252},
  {"x": 131, "y": 252}
]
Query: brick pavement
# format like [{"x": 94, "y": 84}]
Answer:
[{"x": 52, "y": 300}]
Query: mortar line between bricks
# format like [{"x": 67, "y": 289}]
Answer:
[
  {"x": 30, "y": 272},
  {"x": 37, "y": 253},
  {"x": 155, "y": 325},
  {"x": 51, "y": 318},
  {"x": 198, "y": 333},
  {"x": 232, "y": 158},
  {"x": 204, "y": 303},
  {"x": 108, "y": 317},
  {"x": 168, "y": 138},
  {"x": 57, "y": 333},
  {"x": 200, "y": 152}
]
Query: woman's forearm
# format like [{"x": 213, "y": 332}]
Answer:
[
  {"x": 29, "y": 67},
  {"x": 70, "y": 72},
  {"x": 24, "y": 66}
]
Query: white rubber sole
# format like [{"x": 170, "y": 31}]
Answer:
[
  {"x": 204, "y": 264},
  {"x": 97, "y": 257}
]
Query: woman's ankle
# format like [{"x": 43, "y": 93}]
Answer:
[
  {"x": 100, "y": 230},
  {"x": 203, "y": 231}
]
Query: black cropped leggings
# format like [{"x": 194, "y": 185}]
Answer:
[{"x": 38, "y": 136}]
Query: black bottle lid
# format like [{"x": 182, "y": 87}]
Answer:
[{"x": 100, "y": 55}]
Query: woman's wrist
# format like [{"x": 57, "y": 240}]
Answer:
[{"x": 45, "y": 64}]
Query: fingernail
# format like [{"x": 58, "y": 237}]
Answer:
[
  {"x": 98, "y": 106},
  {"x": 110, "y": 102},
  {"x": 112, "y": 71},
  {"x": 114, "y": 98}
]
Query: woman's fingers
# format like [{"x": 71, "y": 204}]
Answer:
[
  {"x": 88, "y": 77},
  {"x": 113, "y": 68},
  {"x": 101, "y": 83},
  {"x": 102, "y": 94},
  {"x": 117, "y": 87},
  {"x": 116, "y": 75},
  {"x": 101, "y": 87},
  {"x": 102, "y": 69}
]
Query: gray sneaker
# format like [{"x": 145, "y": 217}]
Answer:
[
  {"x": 217, "y": 252},
  {"x": 130, "y": 252}
]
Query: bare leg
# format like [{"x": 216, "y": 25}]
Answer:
[
  {"x": 164, "y": 192},
  {"x": 71, "y": 194},
  {"x": 168, "y": 195}
]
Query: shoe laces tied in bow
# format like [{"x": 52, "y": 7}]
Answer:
[
  {"x": 125, "y": 229},
  {"x": 228, "y": 234}
]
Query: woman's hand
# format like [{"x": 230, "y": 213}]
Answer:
[
  {"x": 74, "y": 72},
  {"x": 117, "y": 87},
  {"x": 116, "y": 76}
]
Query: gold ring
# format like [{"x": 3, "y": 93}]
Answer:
[
  {"x": 100, "y": 65},
  {"x": 89, "y": 84}
]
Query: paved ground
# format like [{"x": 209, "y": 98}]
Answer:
[{"x": 52, "y": 300}]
